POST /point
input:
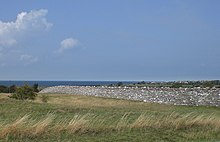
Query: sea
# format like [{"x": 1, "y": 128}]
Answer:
[{"x": 57, "y": 83}]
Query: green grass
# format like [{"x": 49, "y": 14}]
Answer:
[{"x": 85, "y": 118}]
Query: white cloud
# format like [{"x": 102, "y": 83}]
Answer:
[
  {"x": 14, "y": 34},
  {"x": 67, "y": 44},
  {"x": 26, "y": 23},
  {"x": 28, "y": 59}
]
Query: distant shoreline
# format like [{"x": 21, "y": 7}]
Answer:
[
  {"x": 56, "y": 83},
  {"x": 171, "y": 84}
]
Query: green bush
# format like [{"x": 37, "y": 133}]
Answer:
[
  {"x": 3, "y": 89},
  {"x": 12, "y": 89},
  {"x": 6, "y": 89},
  {"x": 24, "y": 93},
  {"x": 35, "y": 86}
]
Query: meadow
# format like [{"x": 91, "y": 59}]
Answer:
[{"x": 62, "y": 117}]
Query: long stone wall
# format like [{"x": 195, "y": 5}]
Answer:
[{"x": 180, "y": 96}]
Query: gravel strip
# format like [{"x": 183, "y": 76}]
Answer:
[{"x": 176, "y": 96}]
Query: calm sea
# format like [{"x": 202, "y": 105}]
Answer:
[{"x": 56, "y": 83}]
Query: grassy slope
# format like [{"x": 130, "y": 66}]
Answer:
[{"x": 83, "y": 118}]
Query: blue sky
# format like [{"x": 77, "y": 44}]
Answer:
[{"x": 110, "y": 40}]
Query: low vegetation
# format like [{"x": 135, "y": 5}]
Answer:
[
  {"x": 174, "y": 84},
  {"x": 24, "y": 93},
  {"x": 12, "y": 88},
  {"x": 85, "y": 118},
  {"x": 5, "y": 89}
]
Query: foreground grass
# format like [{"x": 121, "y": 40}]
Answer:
[{"x": 83, "y": 118}]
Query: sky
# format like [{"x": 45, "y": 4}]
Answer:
[{"x": 97, "y": 40}]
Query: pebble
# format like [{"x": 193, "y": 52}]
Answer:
[{"x": 180, "y": 96}]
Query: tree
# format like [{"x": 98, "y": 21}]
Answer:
[
  {"x": 119, "y": 84},
  {"x": 3, "y": 89},
  {"x": 142, "y": 82},
  {"x": 24, "y": 93},
  {"x": 35, "y": 86},
  {"x": 12, "y": 89}
]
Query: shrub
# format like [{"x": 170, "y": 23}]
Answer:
[
  {"x": 208, "y": 84},
  {"x": 6, "y": 89},
  {"x": 24, "y": 93},
  {"x": 35, "y": 86},
  {"x": 12, "y": 89},
  {"x": 3, "y": 89},
  {"x": 176, "y": 85},
  {"x": 119, "y": 84}
]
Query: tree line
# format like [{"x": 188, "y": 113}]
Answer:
[{"x": 178, "y": 84}]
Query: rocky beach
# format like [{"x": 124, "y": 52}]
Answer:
[{"x": 176, "y": 96}]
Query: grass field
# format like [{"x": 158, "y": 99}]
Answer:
[{"x": 85, "y": 118}]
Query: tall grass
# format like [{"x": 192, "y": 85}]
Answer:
[
  {"x": 78, "y": 124},
  {"x": 14, "y": 128},
  {"x": 123, "y": 122},
  {"x": 42, "y": 126},
  {"x": 26, "y": 126}
]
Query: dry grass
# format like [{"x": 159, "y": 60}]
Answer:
[
  {"x": 94, "y": 116},
  {"x": 41, "y": 126},
  {"x": 17, "y": 127},
  {"x": 177, "y": 121},
  {"x": 123, "y": 122},
  {"x": 82, "y": 101},
  {"x": 26, "y": 126},
  {"x": 142, "y": 121},
  {"x": 78, "y": 124},
  {"x": 88, "y": 123},
  {"x": 4, "y": 95},
  {"x": 101, "y": 102}
]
